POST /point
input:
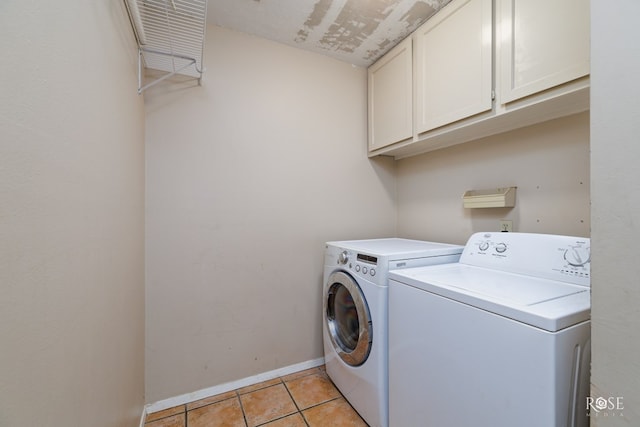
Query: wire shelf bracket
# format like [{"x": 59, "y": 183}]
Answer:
[{"x": 189, "y": 62}]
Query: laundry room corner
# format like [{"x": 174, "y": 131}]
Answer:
[{"x": 247, "y": 177}]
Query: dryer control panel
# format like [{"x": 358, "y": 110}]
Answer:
[
  {"x": 357, "y": 264},
  {"x": 373, "y": 259},
  {"x": 562, "y": 258}
]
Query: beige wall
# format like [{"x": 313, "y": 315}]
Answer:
[
  {"x": 247, "y": 177},
  {"x": 71, "y": 216},
  {"x": 615, "y": 138},
  {"x": 548, "y": 163}
]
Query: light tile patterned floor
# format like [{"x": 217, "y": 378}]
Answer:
[{"x": 303, "y": 399}]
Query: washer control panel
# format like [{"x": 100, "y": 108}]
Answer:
[
  {"x": 563, "y": 258},
  {"x": 489, "y": 247}
]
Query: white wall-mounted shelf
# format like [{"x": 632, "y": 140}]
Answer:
[{"x": 493, "y": 198}]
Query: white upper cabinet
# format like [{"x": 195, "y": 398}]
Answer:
[
  {"x": 544, "y": 43},
  {"x": 453, "y": 54},
  {"x": 390, "y": 101},
  {"x": 479, "y": 71}
]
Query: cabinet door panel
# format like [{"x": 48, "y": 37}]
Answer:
[
  {"x": 391, "y": 97},
  {"x": 454, "y": 64},
  {"x": 545, "y": 43}
]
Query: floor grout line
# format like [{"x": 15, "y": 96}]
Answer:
[
  {"x": 257, "y": 389},
  {"x": 294, "y": 401},
  {"x": 244, "y": 415}
]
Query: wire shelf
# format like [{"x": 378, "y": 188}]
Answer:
[{"x": 170, "y": 36}]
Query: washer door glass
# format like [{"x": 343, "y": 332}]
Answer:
[{"x": 347, "y": 319}]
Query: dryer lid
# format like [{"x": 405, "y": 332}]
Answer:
[{"x": 397, "y": 248}]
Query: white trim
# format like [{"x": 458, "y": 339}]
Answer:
[
  {"x": 233, "y": 385},
  {"x": 143, "y": 417}
]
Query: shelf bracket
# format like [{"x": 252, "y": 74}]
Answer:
[{"x": 190, "y": 62}]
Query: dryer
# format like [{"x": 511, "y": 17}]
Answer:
[
  {"x": 355, "y": 306},
  {"x": 501, "y": 338}
]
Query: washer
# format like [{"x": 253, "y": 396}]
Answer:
[
  {"x": 355, "y": 304},
  {"x": 501, "y": 338}
]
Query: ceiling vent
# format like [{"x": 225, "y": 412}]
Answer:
[{"x": 170, "y": 35}]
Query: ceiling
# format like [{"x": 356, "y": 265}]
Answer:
[{"x": 354, "y": 31}]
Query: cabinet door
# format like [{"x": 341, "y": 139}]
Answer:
[
  {"x": 544, "y": 43},
  {"x": 454, "y": 64},
  {"x": 391, "y": 97}
]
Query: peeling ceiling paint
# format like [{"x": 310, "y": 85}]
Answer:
[{"x": 354, "y": 31}]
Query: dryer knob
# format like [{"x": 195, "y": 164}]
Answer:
[{"x": 343, "y": 257}]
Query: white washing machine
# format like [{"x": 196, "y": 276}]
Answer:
[
  {"x": 500, "y": 339},
  {"x": 355, "y": 303}
]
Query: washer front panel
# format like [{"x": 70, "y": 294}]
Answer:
[{"x": 451, "y": 364}]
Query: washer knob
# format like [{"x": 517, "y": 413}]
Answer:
[
  {"x": 501, "y": 247},
  {"x": 577, "y": 257},
  {"x": 484, "y": 246},
  {"x": 343, "y": 257}
]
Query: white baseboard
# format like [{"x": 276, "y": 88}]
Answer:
[
  {"x": 143, "y": 417},
  {"x": 233, "y": 385}
]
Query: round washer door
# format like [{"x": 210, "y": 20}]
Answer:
[{"x": 348, "y": 319}]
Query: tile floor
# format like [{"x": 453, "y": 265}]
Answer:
[{"x": 303, "y": 399}]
